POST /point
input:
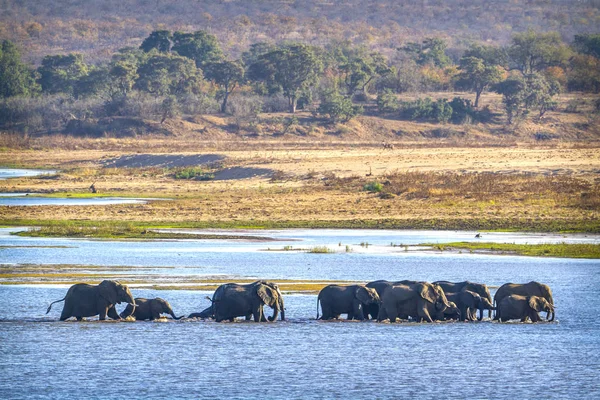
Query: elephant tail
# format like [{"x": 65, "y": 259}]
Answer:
[{"x": 57, "y": 301}]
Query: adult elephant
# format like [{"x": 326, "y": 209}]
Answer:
[
  {"x": 455, "y": 287},
  {"x": 371, "y": 311},
  {"x": 345, "y": 299},
  {"x": 418, "y": 301},
  {"x": 232, "y": 300},
  {"x": 467, "y": 301},
  {"x": 83, "y": 300},
  {"x": 532, "y": 288},
  {"x": 148, "y": 309},
  {"x": 522, "y": 307}
]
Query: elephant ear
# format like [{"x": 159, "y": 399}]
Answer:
[
  {"x": 266, "y": 294},
  {"x": 362, "y": 294},
  {"x": 108, "y": 291},
  {"x": 533, "y": 303},
  {"x": 427, "y": 292}
]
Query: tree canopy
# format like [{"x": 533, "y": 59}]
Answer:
[{"x": 16, "y": 78}]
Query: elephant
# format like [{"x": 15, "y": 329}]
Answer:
[
  {"x": 452, "y": 312},
  {"x": 232, "y": 300},
  {"x": 345, "y": 299},
  {"x": 455, "y": 287},
  {"x": 468, "y": 300},
  {"x": 417, "y": 301},
  {"x": 371, "y": 311},
  {"x": 83, "y": 300},
  {"x": 527, "y": 289},
  {"x": 148, "y": 309},
  {"x": 522, "y": 307}
]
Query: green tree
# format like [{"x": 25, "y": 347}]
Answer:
[
  {"x": 95, "y": 83},
  {"x": 521, "y": 95},
  {"x": 59, "y": 74},
  {"x": 584, "y": 74},
  {"x": 477, "y": 76},
  {"x": 16, "y": 78},
  {"x": 338, "y": 108},
  {"x": 227, "y": 74},
  {"x": 361, "y": 69},
  {"x": 430, "y": 51},
  {"x": 491, "y": 55},
  {"x": 588, "y": 44},
  {"x": 293, "y": 67},
  {"x": 533, "y": 52},
  {"x": 387, "y": 102},
  {"x": 200, "y": 46},
  {"x": 169, "y": 108},
  {"x": 164, "y": 74},
  {"x": 159, "y": 40}
]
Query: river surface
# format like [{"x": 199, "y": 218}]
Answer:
[
  {"x": 6, "y": 173},
  {"x": 301, "y": 358},
  {"x": 25, "y": 199}
]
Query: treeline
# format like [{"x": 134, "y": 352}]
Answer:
[
  {"x": 179, "y": 72},
  {"x": 97, "y": 28}
]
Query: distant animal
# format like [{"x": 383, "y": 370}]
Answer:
[
  {"x": 83, "y": 300},
  {"x": 527, "y": 289},
  {"x": 418, "y": 301},
  {"x": 522, "y": 308},
  {"x": 148, "y": 309},
  {"x": 345, "y": 299},
  {"x": 468, "y": 301},
  {"x": 388, "y": 146},
  {"x": 479, "y": 288},
  {"x": 478, "y": 235},
  {"x": 93, "y": 188},
  {"x": 232, "y": 300}
]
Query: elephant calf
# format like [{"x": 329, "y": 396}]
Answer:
[
  {"x": 350, "y": 300},
  {"x": 148, "y": 309},
  {"x": 522, "y": 307},
  {"x": 467, "y": 301},
  {"x": 83, "y": 300}
]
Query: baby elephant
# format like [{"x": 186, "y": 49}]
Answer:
[
  {"x": 149, "y": 309},
  {"x": 340, "y": 299},
  {"x": 522, "y": 307},
  {"x": 468, "y": 301}
]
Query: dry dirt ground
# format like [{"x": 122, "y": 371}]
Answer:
[{"x": 308, "y": 185}]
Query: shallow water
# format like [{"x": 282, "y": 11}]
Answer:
[
  {"x": 6, "y": 173},
  {"x": 40, "y": 357},
  {"x": 30, "y": 200}
]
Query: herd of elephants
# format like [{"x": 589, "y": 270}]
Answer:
[{"x": 381, "y": 300}]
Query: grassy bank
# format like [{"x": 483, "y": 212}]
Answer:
[
  {"x": 135, "y": 229},
  {"x": 565, "y": 250}
]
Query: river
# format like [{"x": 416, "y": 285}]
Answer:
[{"x": 301, "y": 358}]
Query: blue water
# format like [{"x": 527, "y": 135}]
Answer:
[
  {"x": 6, "y": 173},
  {"x": 53, "y": 201},
  {"x": 300, "y": 358}
]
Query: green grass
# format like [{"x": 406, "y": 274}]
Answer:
[
  {"x": 193, "y": 173},
  {"x": 321, "y": 250},
  {"x": 566, "y": 250}
]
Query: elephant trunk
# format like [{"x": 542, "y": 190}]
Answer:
[
  {"x": 278, "y": 307},
  {"x": 481, "y": 313},
  {"x": 172, "y": 314},
  {"x": 275, "y": 313},
  {"x": 548, "y": 313},
  {"x": 131, "y": 301},
  {"x": 281, "y": 305}
]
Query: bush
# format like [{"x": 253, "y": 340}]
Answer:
[
  {"x": 462, "y": 110},
  {"x": 426, "y": 110},
  {"x": 274, "y": 104},
  {"x": 195, "y": 104},
  {"x": 338, "y": 108},
  {"x": 373, "y": 187},
  {"x": 195, "y": 173},
  {"x": 387, "y": 102}
]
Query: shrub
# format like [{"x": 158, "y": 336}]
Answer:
[
  {"x": 338, "y": 108},
  {"x": 387, "y": 102},
  {"x": 373, "y": 187},
  {"x": 427, "y": 110},
  {"x": 195, "y": 173},
  {"x": 462, "y": 110},
  {"x": 194, "y": 104}
]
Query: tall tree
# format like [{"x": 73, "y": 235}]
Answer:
[
  {"x": 159, "y": 40},
  {"x": 227, "y": 74},
  {"x": 16, "y": 78},
  {"x": 58, "y": 74},
  {"x": 430, "y": 51},
  {"x": 587, "y": 44},
  {"x": 533, "y": 52},
  {"x": 294, "y": 67},
  {"x": 164, "y": 74},
  {"x": 361, "y": 69},
  {"x": 200, "y": 46},
  {"x": 475, "y": 75}
]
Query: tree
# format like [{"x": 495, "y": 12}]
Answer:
[
  {"x": 58, "y": 74},
  {"x": 360, "y": 70},
  {"x": 200, "y": 46},
  {"x": 338, "y": 108},
  {"x": 293, "y": 67},
  {"x": 159, "y": 40},
  {"x": 475, "y": 75},
  {"x": 430, "y": 51},
  {"x": 513, "y": 93},
  {"x": 587, "y": 44},
  {"x": 491, "y": 55},
  {"x": 533, "y": 52},
  {"x": 520, "y": 95},
  {"x": 16, "y": 78},
  {"x": 227, "y": 74},
  {"x": 584, "y": 74},
  {"x": 96, "y": 82},
  {"x": 164, "y": 74}
]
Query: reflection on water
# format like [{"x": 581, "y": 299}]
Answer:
[
  {"x": 67, "y": 201},
  {"x": 6, "y": 173},
  {"x": 41, "y": 357}
]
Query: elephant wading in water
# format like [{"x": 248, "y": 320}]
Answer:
[
  {"x": 232, "y": 300},
  {"x": 350, "y": 300},
  {"x": 467, "y": 301},
  {"x": 148, "y": 309},
  {"x": 527, "y": 289},
  {"x": 418, "y": 301},
  {"x": 372, "y": 310},
  {"x": 83, "y": 300},
  {"x": 456, "y": 287},
  {"x": 522, "y": 307}
]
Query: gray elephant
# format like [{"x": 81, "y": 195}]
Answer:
[
  {"x": 83, "y": 300},
  {"x": 455, "y": 287},
  {"x": 522, "y": 308},
  {"x": 418, "y": 301},
  {"x": 345, "y": 299},
  {"x": 148, "y": 309},
  {"x": 527, "y": 289},
  {"x": 372, "y": 310},
  {"x": 232, "y": 300},
  {"x": 468, "y": 301},
  {"x": 452, "y": 312}
]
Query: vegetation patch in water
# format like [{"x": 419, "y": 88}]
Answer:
[{"x": 566, "y": 250}]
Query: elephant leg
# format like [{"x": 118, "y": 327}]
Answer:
[
  {"x": 248, "y": 317},
  {"x": 112, "y": 313},
  {"x": 357, "y": 310},
  {"x": 65, "y": 316},
  {"x": 79, "y": 319},
  {"x": 424, "y": 314},
  {"x": 257, "y": 315},
  {"x": 102, "y": 314}
]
